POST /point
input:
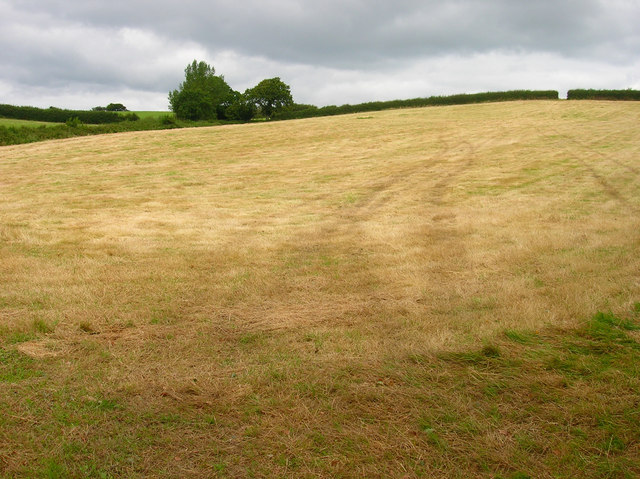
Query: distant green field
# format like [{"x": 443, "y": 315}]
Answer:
[
  {"x": 150, "y": 114},
  {"x": 13, "y": 122}
]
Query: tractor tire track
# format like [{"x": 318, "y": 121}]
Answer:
[{"x": 592, "y": 151}]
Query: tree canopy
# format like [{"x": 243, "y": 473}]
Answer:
[
  {"x": 203, "y": 95},
  {"x": 116, "y": 107},
  {"x": 271, "y": 95},
  {"x": 241, "y": 108},
  {"x": 111, "y": 107}
]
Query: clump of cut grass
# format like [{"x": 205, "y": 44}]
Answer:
[
  {"x": 488, "y": 353},
  {"x": 432, "y": 436},
  {"x": 86, "y": 327},
  {"x": 521, "y": 337},
  {"x": 612, "y": 322},
  {"x": 42, "y": 326}
]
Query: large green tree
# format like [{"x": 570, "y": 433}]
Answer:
[
  {"x": 271, "y": 95},
  {"x": 202, "y": 95}
]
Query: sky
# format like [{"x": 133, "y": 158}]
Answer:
[{"x": 81, "y": 54}]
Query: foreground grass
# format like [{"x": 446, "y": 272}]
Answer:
[
  {"x": 406, "y": 293},
  {"x": 561, "y": 403}
]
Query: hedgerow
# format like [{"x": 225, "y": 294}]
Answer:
[
  {"x": 623, "y": 95},
  {"x": 59, "y": 115},
  {"x": 461, "y": 99}
]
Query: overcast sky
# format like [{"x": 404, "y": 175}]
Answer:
[{"x": 80, "y": 54}]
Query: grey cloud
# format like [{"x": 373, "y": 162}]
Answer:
[
  {"x": 143, "y": 46},
  {"x": 55, "y": 54},
  {"x": 357, "y": 32}
]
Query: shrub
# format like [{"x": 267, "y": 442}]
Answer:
[
  {"x": 131, "y": 117},
  {"x": 168, "y": 120},
  {"x": 73, "y": 122},
  {"x": 116, "y": 107}
]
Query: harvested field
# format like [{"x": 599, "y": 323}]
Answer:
[{"x": 405, "y": 293}]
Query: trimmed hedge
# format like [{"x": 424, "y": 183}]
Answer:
[
  {"x": 462, "y": 99},
  {"x": 625, "y": 95},
  {"x": 58, "y": 115}
]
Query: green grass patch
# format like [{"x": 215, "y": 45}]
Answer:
[
  {"x": 151, "y": 114},
  {"x": 431, "y": 433},
  {"x": 42, "y": 326},
  {"x": 522, "y": 337},
  {"x": 15, "y": 366},
  {"x": 529, "y": 388},
  {"x": 29, "y": 123},
  {"x": 16, "y": 337},
  {"x": 489, "y": 353}
]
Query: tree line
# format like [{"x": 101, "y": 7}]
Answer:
[{"x": 203, "y": 95}]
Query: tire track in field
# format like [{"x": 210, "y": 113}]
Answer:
[
  {"x": 440, "y": 230},
  {"x": 590, "y": 150},
  {"x": 417, "y": 173},
  {"x": 599, "y": 153},
  {"x": 364, "y": 255},
  {"x": 454, "y": 155},
  {"x": 346, "y": 235},
  {"x": 414, "y": 176},
  {"x": 600, "y": 179}
]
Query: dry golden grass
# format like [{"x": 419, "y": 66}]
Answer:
[{"x": 269, "y": 279}]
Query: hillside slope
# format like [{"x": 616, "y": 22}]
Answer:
[{"x": 245, "y": 299}]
